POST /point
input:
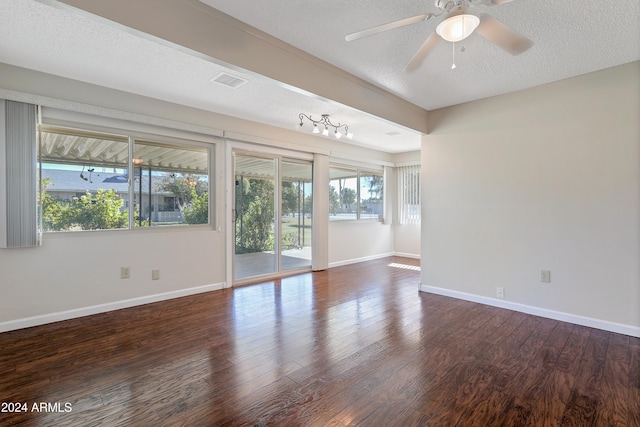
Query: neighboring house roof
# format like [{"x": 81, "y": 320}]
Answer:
[{"x": 71, "y": 181}]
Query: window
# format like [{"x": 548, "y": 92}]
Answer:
[
  {"x": 409, "y": 194},
  {"x": 355, "y": 194},
  {"x": 89, "y": 182},
  {"x": 370, "y": 195},
  {"x": 171, "y": 184},
  {"x": 83, "y": 180}
]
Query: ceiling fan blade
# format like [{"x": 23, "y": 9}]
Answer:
[
  {"x": 499, "y": 2},
  {"x": 503, "y": 35},
  {"x": 422, "y": 53},
  {"x": 387, "y": 27}
]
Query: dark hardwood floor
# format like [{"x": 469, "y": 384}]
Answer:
[{"x": 354, "y": 345}]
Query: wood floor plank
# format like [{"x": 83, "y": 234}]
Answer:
[
  {"x": 506, "y": 366},
  {"x": 353, "y": 345},
  {"x": 550, "y": 394},
  {"x": 613, "y": 407},
  {"x": 579, "y": 411},
  {"x": 634, "y": 381}
]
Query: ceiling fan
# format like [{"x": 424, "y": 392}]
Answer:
[{"x": 456, "y": 27}]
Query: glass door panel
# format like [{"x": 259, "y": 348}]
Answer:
[
  {"x": 295, "y": 221},
  {"x": 256, "y": 251}
]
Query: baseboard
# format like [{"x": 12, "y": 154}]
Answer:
[
  {"x": 28, "y": 322},
  {"x": 605, "y": 325},
  {"x": 407, "y": 255},
  {"x": 356, "y": 260}
]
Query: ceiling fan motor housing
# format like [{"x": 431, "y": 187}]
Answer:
[{"x": 449, "y": 5}]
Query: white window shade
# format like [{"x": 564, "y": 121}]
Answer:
[
  {"x": 409, "y": 194},
  {"x": 17, "y": 175}
]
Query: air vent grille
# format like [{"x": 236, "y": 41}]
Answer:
[
  {"x": 392, "y": 133},
  {"x": 229, "y": 80}
]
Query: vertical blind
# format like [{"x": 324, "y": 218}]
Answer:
[
  {"x": 20, "y": 174},
  {"x": 409, "y": 194}
]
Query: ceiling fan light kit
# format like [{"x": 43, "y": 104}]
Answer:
[
  {"x": 326, "y": 122},
  {"x": 457, "y": 27}
]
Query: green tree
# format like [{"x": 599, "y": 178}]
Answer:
[
  {"x": 349, "y": 196},
  {"x": 376, "y": 185},
  {"x": 184, "y": 187},
  {"x": 254, "y": 215},
  {"x": 197, "y": 212},
  {"x": 55, "y": 213},
  {"x": 308, "y": 206},
  {"x": 99, "y": 211},
  {"x": 192, "y": 195},
  {"x": 290, "y": 198},
  {"x": 334, "y": 200}
]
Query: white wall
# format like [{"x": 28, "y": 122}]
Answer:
[
  {"x": 406, "y": 240},
  {"x": 351, "y": 241},
  {"x": 355, "y": 241},
  {"x": 75, "y": 274},
  {"x": 546, "y": 178}
]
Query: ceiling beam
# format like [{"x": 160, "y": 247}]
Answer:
[{"x": 227, "y": 41}]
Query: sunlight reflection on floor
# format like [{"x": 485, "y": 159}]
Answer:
[{"x": 405, "y": 266}]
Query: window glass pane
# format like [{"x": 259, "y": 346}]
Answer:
[
  {"x": 255, "y": 215},
  {"x": 343, "y": 194},
  {"x": 371, "y": 195},
  {"x": 84, "y": 180},
  {"x": 297, "y": 209},
  {"x": 171, "y": 184}
]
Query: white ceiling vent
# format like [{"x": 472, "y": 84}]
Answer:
[
  {"x": 229, "y": 80},
  {"x": 392, "y": 133}
]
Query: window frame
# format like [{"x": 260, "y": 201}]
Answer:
[
  {"x": 176, "y": 143},
  {"x": 171, "y": 138},
  {"x": 360, "y": 171}
]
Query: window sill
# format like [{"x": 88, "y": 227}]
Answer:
[{"x": 54, "y": 235}]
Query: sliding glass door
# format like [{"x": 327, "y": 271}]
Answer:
[
  {"x": 295, "y": 221},
  {"x": 272, "y": 215},
  {"x": 255, "y": 216}
]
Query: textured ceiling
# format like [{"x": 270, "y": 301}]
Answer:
[{"x": 570, "y": 38}]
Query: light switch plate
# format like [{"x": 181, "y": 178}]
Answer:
[{"x": 545, "y": 276}]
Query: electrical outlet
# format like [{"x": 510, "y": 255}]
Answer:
[
  {"x": 155, "y": 274},
  {"x": 500, "y": 293},
  {"x": 125, "y": 272},
  {"x": 545, "y": 276}
]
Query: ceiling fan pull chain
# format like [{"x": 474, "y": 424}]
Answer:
[{"x": 453, "y": 51}]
